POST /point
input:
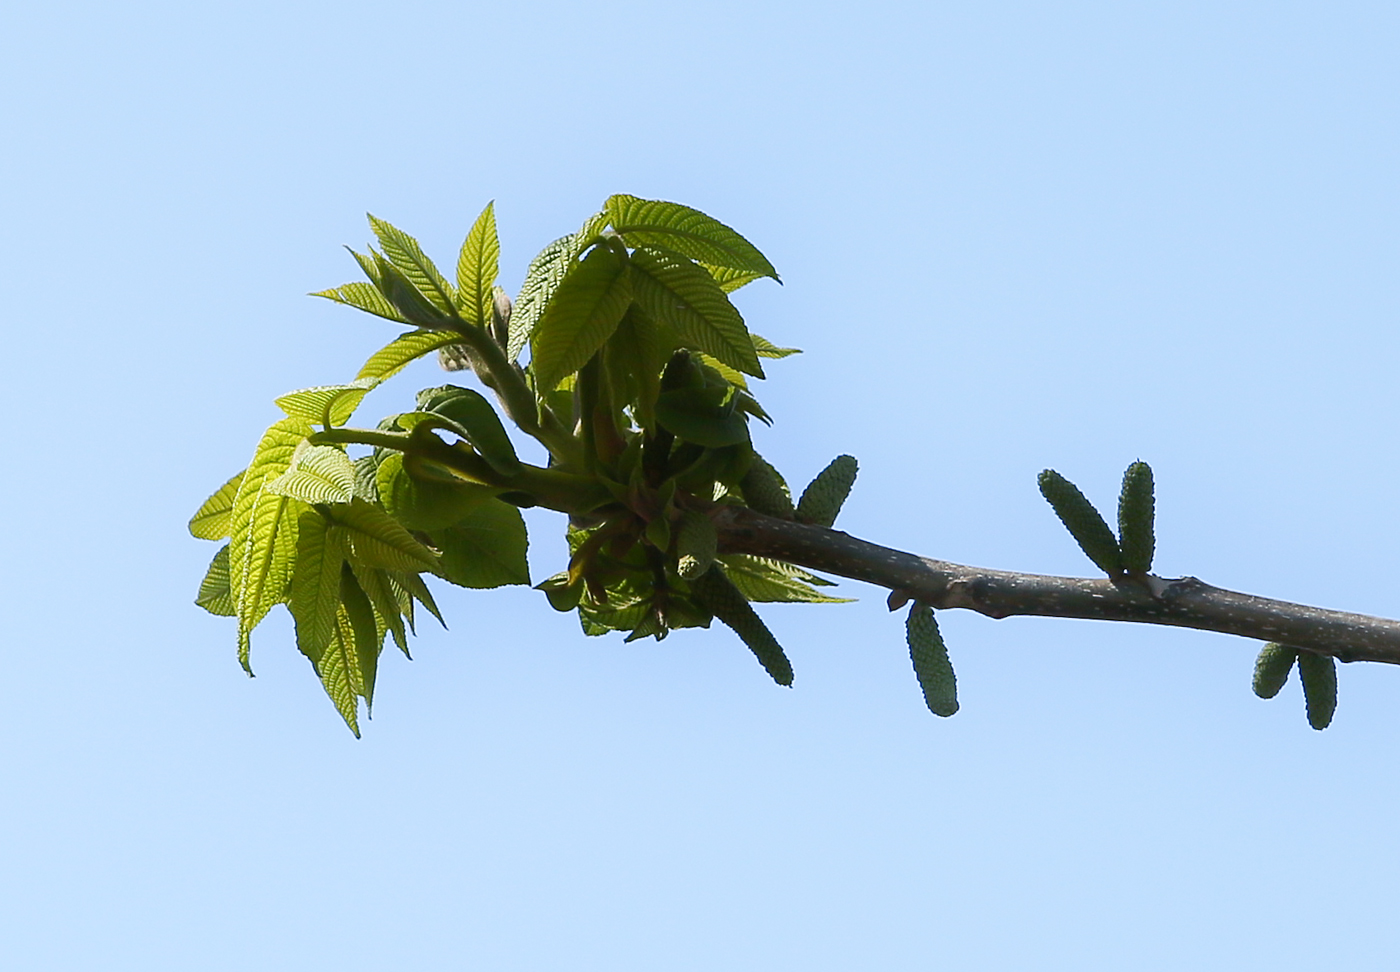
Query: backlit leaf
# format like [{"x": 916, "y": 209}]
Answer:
[
  {"x": 486, "y": 548},
  {"x": 547, "y": 271},
  {"x": 326, "y": 404},
  {"x": 315, "y": 584},
  {"x": 477, "y": 267},
  {"x": 408, "y": 258},
  {"x": 760, "y": 580},
  {"x": 376, "y": 539},
  {"x": 394, "y": 356},
  {"x": 215, "y": 595},
  {"x": 212, "y": 520},
  {"x": 365, "y": 297},
  {"x": 674, "y": 291},
  {"x": 339, "y": 669},
  {"x": 654, "y": 222},
  {"x": 317, "y": 474},
  {"x": 582, "y": 314}
]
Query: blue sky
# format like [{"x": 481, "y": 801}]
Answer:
[{"x": 1011, "y": 235}]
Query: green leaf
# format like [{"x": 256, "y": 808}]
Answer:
[
  {"x": 408, "y": 258},
  {"x": 315, "y": 584},
  {"x": 931, "y": 664},
  {"x": 398, "y": 353},
  {"x": 368, "y": 636},
  {"x": 823, "y": 498},
  {"x": 411, "y": 303},
  {"x": 1083, "y": 522},
  {"x": 262, "y": 530},
  {"x": 425, "y": 504},
  {"x": 317, "y": 474},
  {"x": 1271, "y": 669},
  {"x": 765, "y": 348},
  {"x": 705, "y": 416},
  {"x": 376, "y": 539},
  {"x": 730, "y": 280},
  {"x": 580, "y": 317},
  {"x": 326, "y": 405},
  {"x": 547, "y": 271},
  {"x": 388, "y": 606},
  {"x": 653, "y": 222},
  {"x": 414, "y": 586},
  {"x": 638, "y": 350},
  {"x": 761, "y": 580},
  {"x": 212, "y": 520},
  {"x": 472, "y": 412},
  {"x": 365, "y": 297},
  {"x": 215, "y": 595},
  {"x": 340, "y": 673},
  {"x": 486, "y": 548},
  {"x": 1136, "y": 511},
  {"x": 1319, "y": 677},
  {"x": 477, "y": 268},
  {"x": 676, "y": 292}
]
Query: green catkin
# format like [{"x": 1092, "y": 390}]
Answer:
[
  {"x": 718, "y": 595},
  {"x": 1136, "y": 511},
  {"x": 764, "y": 490},
  {"x": 932, "y": 666},
  {"x": 822, "y": 499},
  {"x": 696, "y": 542},
  {"x": 1272, "y": 667},
  {"x": 1319, "y": 676},
  {"x": 1083, "y": 522}
]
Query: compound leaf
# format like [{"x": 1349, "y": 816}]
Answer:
[
  {"x": 408, "y": 258},
  {"x": 317, "y": 474},
  {"x": 398, "y": 353},
  {"x": 326, "y": 405},
  {"x": 376, "y": 539},
  {"x": 365, "y": 297}
]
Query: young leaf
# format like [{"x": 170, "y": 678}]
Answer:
[
  {"x": 705, "y": 416},
  {"x": 547, "y": 271},
  {"x": 676, "y": 292},
  {"x": 730, "y": 280},
  {"x": 326, "y": 405},
  {"x": 824, "y": 496},
  {"x": 365, "y": 297},
  {"x": 315, "y": 585},
  {"x": 765, "y": 348},
  {"x": 474, "y": 414},
  {"x": 413, "y": 585},
  {"x": 1136, "y": 511},
  {"x": 486, "y": 548},
  {"x": 652, "y": 222},
  {"x": 425, "y": 504},
  {"x": 1271, "y": 669},
  {"x": 580, "y": 317},
  {"x": 1083, "y": 522},
  {"x": 477, "y": 267},
  {"x": 376, "y": 539},
  {"x": 317, "y": 474},
  {"x": 408, "y": 258},
  {"x": 1319, "y": 676},
  {"x": 762, "y": 580},
  {"x": 212, "y": 520},
  {"x": 714, "y": 591},
  {"x": 262, "y": 530},
  {"x": 412, "y": 304},
  {"x": 398, "y": 353},
  {"x": 339, "y": 669},
  {"x": 215, "y": 595},
  {"x": 388, "y": 607},
  {"x": 931, "y": 664},
  {"x": 365, "y": 630}
]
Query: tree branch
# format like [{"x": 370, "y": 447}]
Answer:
[{"x": 1183, "y": 602}]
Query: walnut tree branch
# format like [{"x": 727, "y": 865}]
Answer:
[{"x": 1183, "y": 602}]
